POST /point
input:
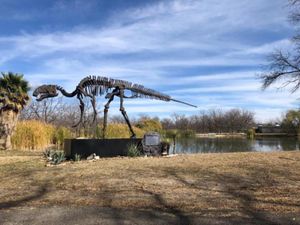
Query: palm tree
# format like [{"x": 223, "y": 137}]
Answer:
[{"x": 13, "y": 98}]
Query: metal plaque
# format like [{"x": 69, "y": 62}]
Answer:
[{"x": 152, "y": 140}]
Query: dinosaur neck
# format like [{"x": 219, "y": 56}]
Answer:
[{"x": 65, "y": 93}]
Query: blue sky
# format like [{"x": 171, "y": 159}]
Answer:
[{"x": 207, "y": 52}]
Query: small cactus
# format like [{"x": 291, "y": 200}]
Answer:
[
  {"x": 54, "y": 157},
  {"x": 133, "y": 150},
  {"x": 77, "y": 157}
]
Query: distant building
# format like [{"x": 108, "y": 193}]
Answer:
[{"x": 261, "y": 128}]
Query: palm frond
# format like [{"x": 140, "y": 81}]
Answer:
[{"x": 13, "y": 91}]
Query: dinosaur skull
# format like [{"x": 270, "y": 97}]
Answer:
[{"x": 45, "y": 91}]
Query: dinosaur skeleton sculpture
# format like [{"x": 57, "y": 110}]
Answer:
[{"x": 93, "y": 86}]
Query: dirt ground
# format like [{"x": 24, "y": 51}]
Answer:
[{"x": 227, "y": 188}]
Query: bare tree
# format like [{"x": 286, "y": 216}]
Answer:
[
  {"x": 167, "y": 123},
  {"x": 48, "y": 111},
  {"x": 284, "y": 66},
  {"x": 181, "y": 121},
  {"x": 295, "y": 13},
  {"x": 62, "y": 113}
]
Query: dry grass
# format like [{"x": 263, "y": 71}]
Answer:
[
  {"x": 32, "y": 134},
  {"x": 231, "y": 184}
]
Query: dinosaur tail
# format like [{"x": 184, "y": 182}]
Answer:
[
  {"x": 140, "y": 91},
  {"x": 174, "y": 100}
]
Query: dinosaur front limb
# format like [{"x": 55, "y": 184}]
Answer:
[
  {"x": 106, "y": 107},
  {"x": 122, "y": 109},
  {"x": 93, "y": 102},
  {"x": 81, "y": 106}
]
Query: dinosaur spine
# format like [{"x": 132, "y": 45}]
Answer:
[{"x": 97, "y": 85}]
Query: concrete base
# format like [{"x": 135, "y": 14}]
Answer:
[{"x": 102, "y": 147}]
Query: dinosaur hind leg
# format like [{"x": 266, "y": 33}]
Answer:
[
  {"x": 122, "y": 109},
  {"x": 128, "y": 122},
  {"x": 106, "y": 107}
]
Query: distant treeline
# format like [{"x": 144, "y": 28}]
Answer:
[{"x": 212, "y": 121}]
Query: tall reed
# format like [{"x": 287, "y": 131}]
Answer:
[{"x": 32, "y": 135}]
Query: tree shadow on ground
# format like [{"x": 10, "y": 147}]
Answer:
[
  {"x": 108, "y": 199},
  {"x": 38, "y": 190},
  {"x": 162, "y": 213},
  {"x": 240, "y": 188},
  {"x": 182, "y": 218},
  {"x": 19, "y": 202}
]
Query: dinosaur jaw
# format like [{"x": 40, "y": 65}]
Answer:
[
  {"x": 45, "y": 91},
  {"x": 41, "y": 96}
]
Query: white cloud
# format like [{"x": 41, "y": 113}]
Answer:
[
  {"x": 229, "y": 89},
  {"x": 189, "y": 25},
  {"x": 269, "y": 47}
]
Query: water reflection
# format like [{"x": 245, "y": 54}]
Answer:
[{"x": 211, "y": 145}]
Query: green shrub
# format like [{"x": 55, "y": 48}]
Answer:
[
  {"x": 120, "y": 130},
  {"x": 98, "y": 132},
  {"x": 250, "y": 133},
  {"x": 77, "y": 157},
  {"x": 149, "y": 125},
  {"x": 174, "y": 133},
  {"x": 60, "y": 134},
  {"x": 187, "y": 134},
  {"x": 133, "y": 150}
]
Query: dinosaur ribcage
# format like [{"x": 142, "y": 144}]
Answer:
[{"x": 96, "y": 90}]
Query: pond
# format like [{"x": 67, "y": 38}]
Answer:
[{"x": 239, "y": 144}]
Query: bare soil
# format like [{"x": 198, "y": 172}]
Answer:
[{"x": 254, "y": 188}]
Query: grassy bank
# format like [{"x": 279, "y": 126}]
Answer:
[{"x": 231, "y": 184}]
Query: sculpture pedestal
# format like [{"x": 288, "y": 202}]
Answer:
[{"x": 102, "y": 147}]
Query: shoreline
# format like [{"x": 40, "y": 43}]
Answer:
[
  {"x": 213, "y": 135},
  {"x": 242, "y": 135}
]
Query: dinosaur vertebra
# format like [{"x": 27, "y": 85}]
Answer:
[{"x": 93, "y": 86}]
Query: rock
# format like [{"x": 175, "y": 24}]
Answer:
[{"x": 93, "y": 156}]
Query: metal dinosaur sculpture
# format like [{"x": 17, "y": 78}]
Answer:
[{"x": 93, "y": 86}]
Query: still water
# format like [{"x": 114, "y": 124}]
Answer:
[{"x": 211, "y": 145}]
